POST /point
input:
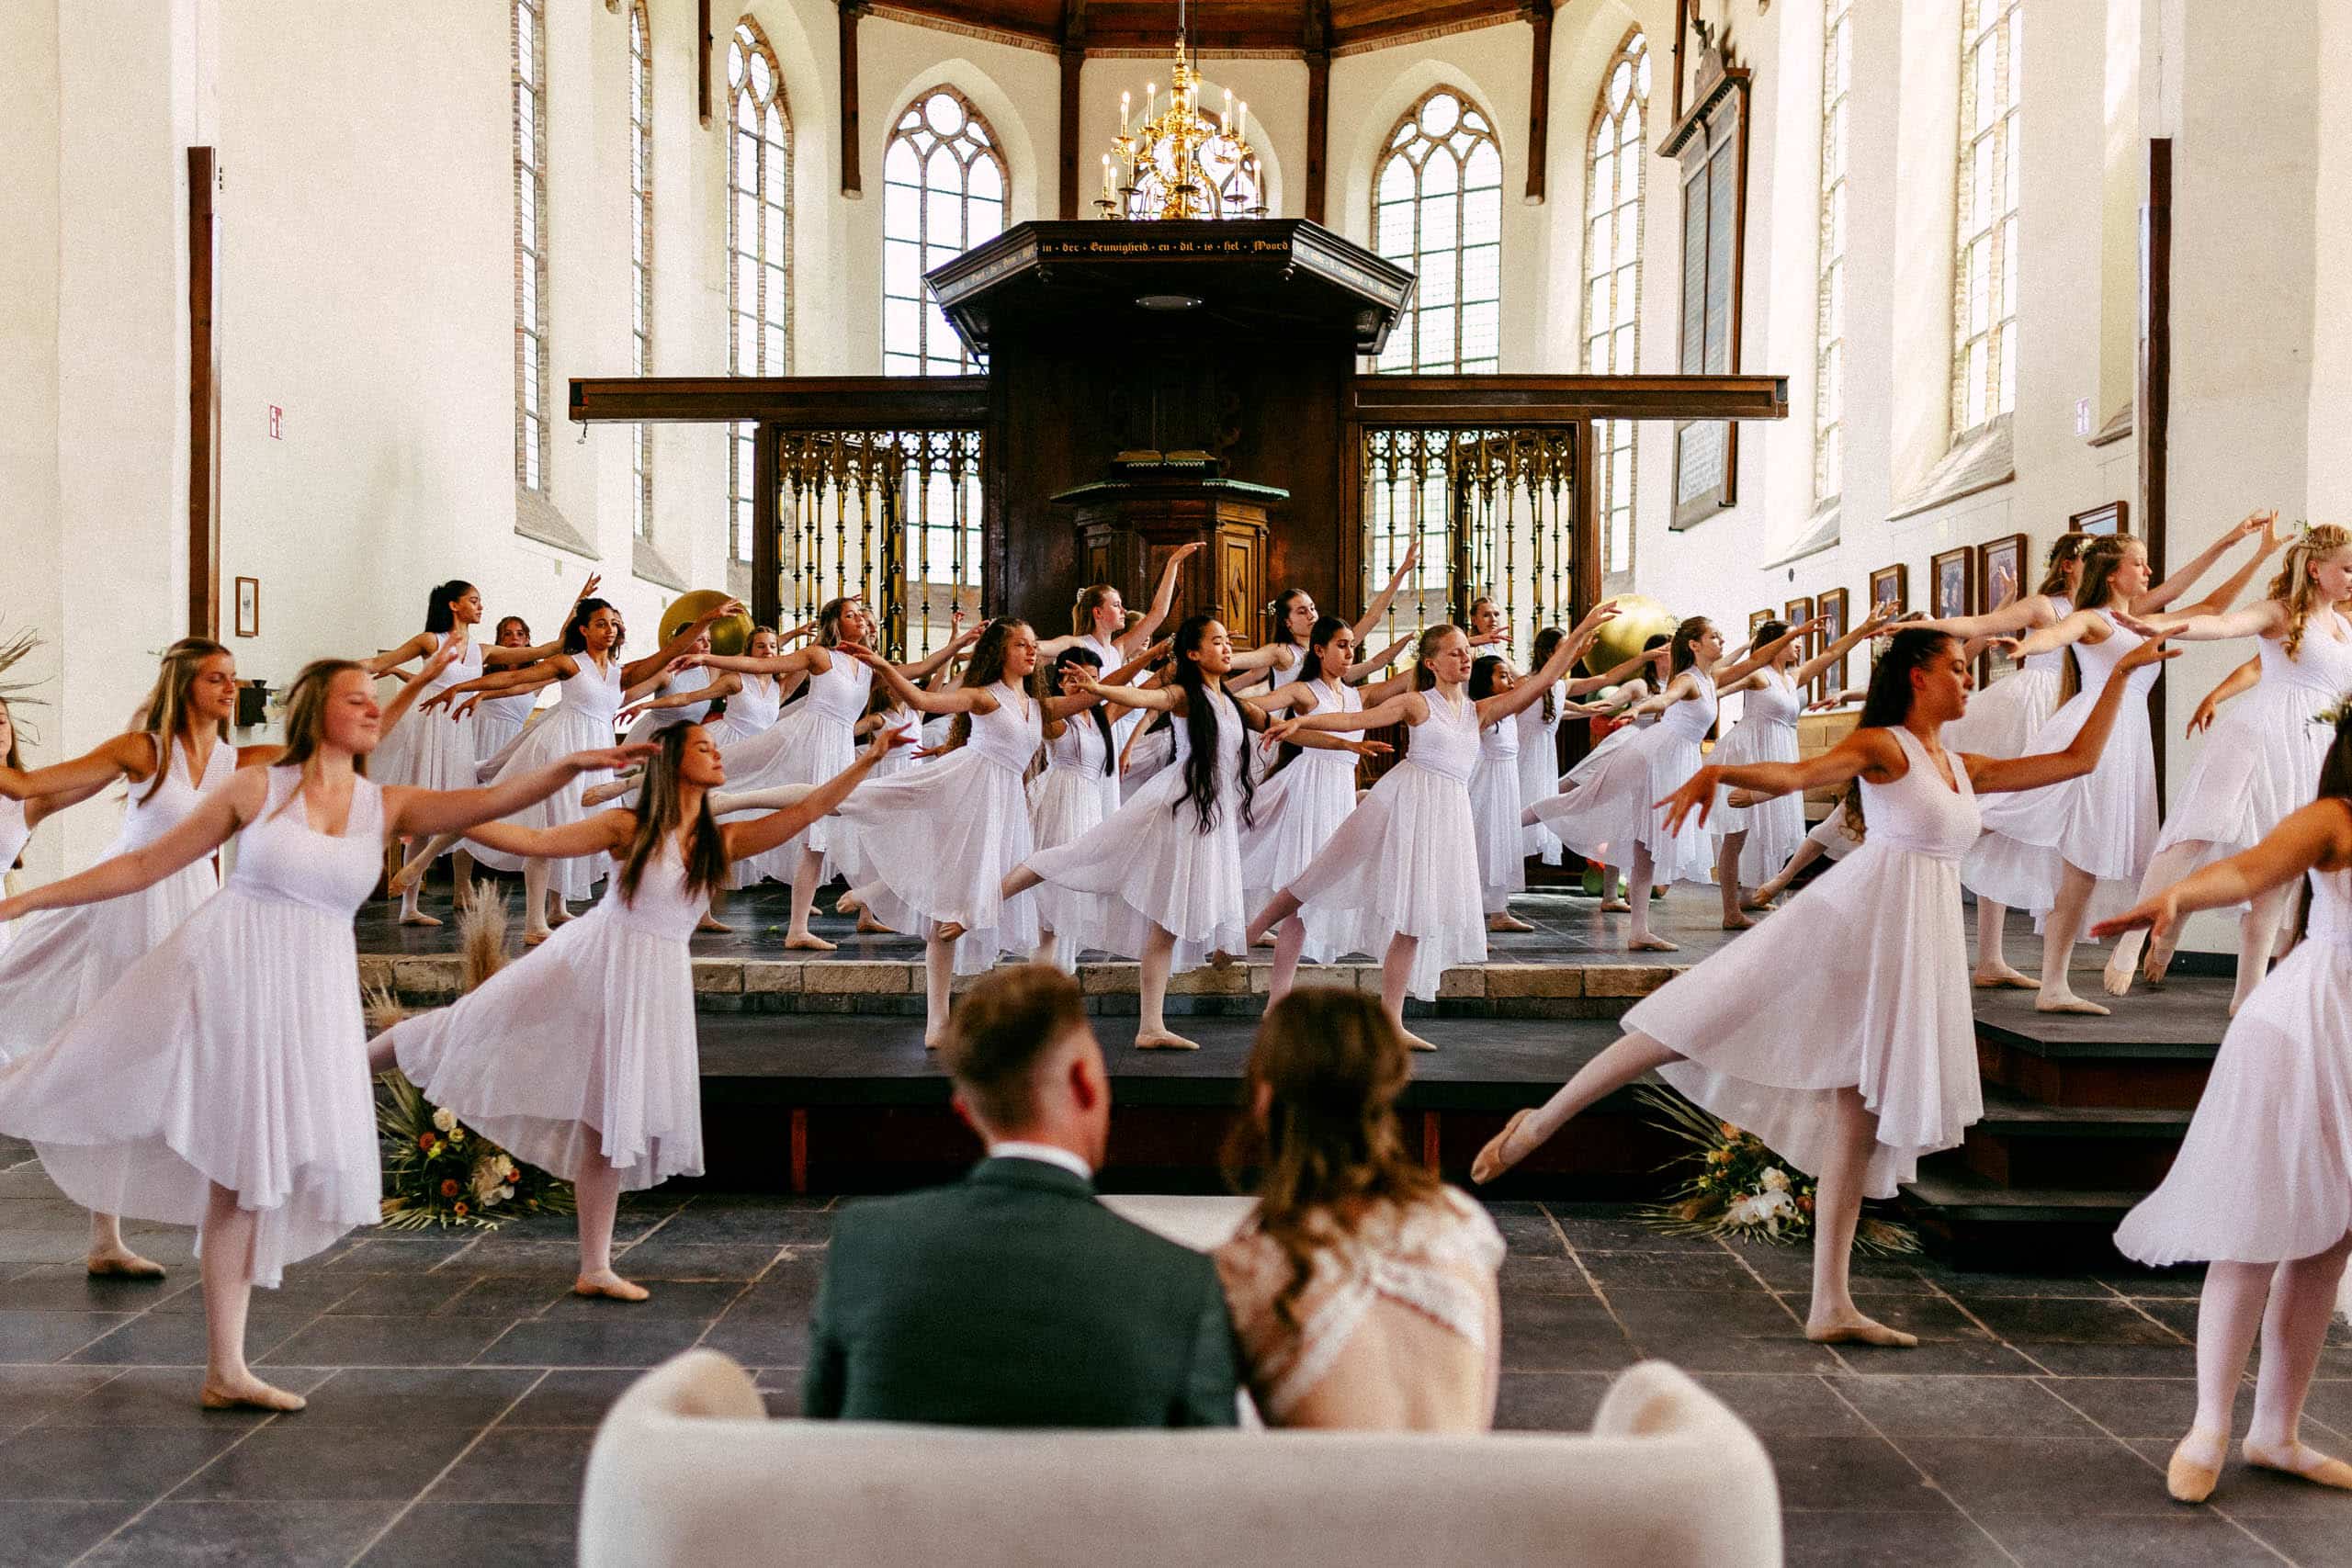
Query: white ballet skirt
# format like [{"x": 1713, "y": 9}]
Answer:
[
  {"x": 1298, "y": 807},
  {"x": 14, "y": 835},
  {"x": 1834, "y": 838},
  {"x": 2265, "y": 1174},
  {"x": 1262, "y": 760},
  {"x": 1539, "y": 769},
  {"x": 1495, "y": 811},
  {"x": 56, "y": 963},
  {"x": 2261, "y": 760},
  {"x": 1152, "y": 864},
  {"x": 1067, "y": 797},
  {"x": 582, "y": 721},
  {"x": 1860, "y": 982},
  {"x": 2002, "y": 719},
  {"x": 931, "y": 845},
  {"x": 1405, "y": 861},
  {"x": 649, "y": 725},
  {"x": 498, "y": 723},
  {"x": 807, "y": 746},
  {"x": 1608, "y": 808},
  {"x": 585, "y": 1043},
  {"x": 908, "y": 723},
  {"x": 752, "y": 710},
  {"x": 1767, "y": 732},
  {"x": 233, "y": 1053},
  {"x": 1150, "y": 757},
  {"x": 428, "y": 749},
  {"x": 2104, "y": 821}
]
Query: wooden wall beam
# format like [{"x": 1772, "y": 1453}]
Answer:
[
  {"x": 702, "y": 59},
  {"x": 1539, "y": 96},
  {"x": 1073, "y": 57},
  {"x": 2153, "y": 419},
  {"x": 796, "y": 402},
  {"x": 1317, "y": 43},
  {"x": 203, "y": 398},
  {"x": 1439, "y": 401},
  {"x": 767, "y": 539},
  {"x": 851, "y": 10}
]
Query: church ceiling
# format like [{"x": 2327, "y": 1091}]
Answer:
[{"x": 1284, "y": 26}]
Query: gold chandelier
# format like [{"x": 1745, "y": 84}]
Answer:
[{"x": 1180, "y": 162}]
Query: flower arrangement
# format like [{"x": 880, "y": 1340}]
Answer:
[{"x": 1742, "y": 1189}]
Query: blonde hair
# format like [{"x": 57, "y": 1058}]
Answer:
[
  {"x": 2295, "y": 586},
  {"x": 164, "y": 713},
  {"x": 1426, "y": 648},
  {"x": 306, "y": 719}
]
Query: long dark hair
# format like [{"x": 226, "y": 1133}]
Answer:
[
  {"x": 2064, "y": 551},
  {"x": 1200, "y": 730},
  {"x": 1888, "y": 703},
  {"x": 1483, "y": 671},
  {"x": 658, "y": 813},
  {"x": 1278, "y": 611},
  {"x": 439, "y": 615},
  {"x": 1685, "y": 636},
  {"x": 1318, "y": 639},
  {"x": 576, "y": 627},
  {"x": 1048, "y": 683},
  {"x": 1547, "y": 643},
  {"x": 2100, "y": 558},
  {"x": 986, "y": 669}
]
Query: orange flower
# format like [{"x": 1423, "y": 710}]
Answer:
[
  {"x": 460, "y": 1211},
  {"x": 426, "y": 1141},
  {"x": 449, "y": 1188}
]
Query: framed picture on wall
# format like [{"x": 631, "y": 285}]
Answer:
[
  {"x": 2115, "y": 517},
  {"x": 1833, "y": 609},
  {"x": 249, "y": 606},
  {"x": 1797, "y": 611},
  {"x": 1891, "y": 589},
  {"x": 2000, "y": 568},
  {"x": 1756, "y": 624},
  {"x": 1952, "y": 582}
]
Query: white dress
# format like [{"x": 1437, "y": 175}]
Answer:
[
  {"x": 58, "y": 962},
  {"x": 585, "y": 1042},
  {"x": 1069, "y": 796},
  {"x": 907, "y": 722},
  {"x": 498, "y": 723},
  {"x": 1877, "y": 948},
  {"x": 14, "y": 834},
  {"x": 2104, "y": 821},
  {"x": 1495, "y": 811},
  {"x": 933, "y": 845},
  {"x": 1608, "y": 808},
  {"x": 582, "y": 721},
  {"x": 751, "y": 711},
  {"x": 1152, "y": 863},
  {"x": 2002, "y": 719},
  {"x": 810, "y": 745},
  {"x": 1298, "y": 807},
  {"x": 1124, "y": 727},
  {"x": 1539, "y": 769},
  {"x": 649, "y": 725},
  {"x": 1767, "y": 732},
  {"x": 233, "y": 1053},
  {"x": 1405, "y": 861},
  {"x": 2265, "y": 1174},
  {"x": 428, "y": 749}
]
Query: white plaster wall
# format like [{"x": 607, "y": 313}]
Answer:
[{"x": 2329, "y": 479}]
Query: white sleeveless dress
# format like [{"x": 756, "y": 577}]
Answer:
[
  {"x": 1539, "y": 769},
  {"x": 2001, "y": 720},
  {"x": 933, "y": 845},
  {"x": 1075, "y": 791},
  {"x": 1881, "y": 943},
  {"x": 1609, "y": 809},
  {"x": 907, "y": 722},
  {"x": 1123, "y": 726},
  {"x": 58, "y": 962},
  {"x": 1261, "y": 761},
  {"x": 1767, "y": 732},
  {"x": 751, "y": 711},
  {"x": 1405, "y": 861},
  {"x": 2265, "y": 1174},
  {"x": 429, "y": 749},
  {"x": 649, "y": 725},
  {"x": 586, "y": 1042},
  {"x": 810, "y": 745},
  {"x": 14, "y": 835},
  {"x": 1298, "y": 807},
  {"x": 582, "y": 721},
  {"x": 233, "y": 1053},
  {"x": 2104, "y": 821},
  {"x": 1153, "y": 864},
  {"x": 498, "y": 723},
  {"x": 1495, "y": 811}
]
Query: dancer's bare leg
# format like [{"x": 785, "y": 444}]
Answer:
[
  {"x": 2122, "y": 965},
  {"x": 2229, "y": 1315},
  {"x": 2257, "y": 934},
  {"x": 808, "y": 875},
  {"x": 2058, "y": 934},
  {"x": 538, "y": 902},
  {"x": 710, "y": 920},
  {"x": 1159, "y": 957},
  {"x": 227, "y": 1269},
  {"x": 2294, "y": 1328},
  {"x": 938, "y": 983},
  {"x": 410, "y": 914},
  {"x": 1727, "y": 880},
  {"x": 1992, "y": 971},
  {"x": 1290, "y": 940},
  {"x": 1017, "y": 881},
  {"x": 1639, "y": 937},
  {"x": 461, "y": 880},
  {"x": 412, "y": 870},
  {"x": 1625, "y": 1059},
  {"x": 1396, "y": 974},
  {"x": 1500, "y": 919},
  {"x": 1612, "y": 895},
  {"x": 110, "y": 1256},
  {"x": 597, "y": 1196},
  {"x": 1049, "y": 950},
  {"x": 1834, "y": 1319}
]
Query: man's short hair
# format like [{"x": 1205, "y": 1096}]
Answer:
[{"x": 997, "y": 1033}]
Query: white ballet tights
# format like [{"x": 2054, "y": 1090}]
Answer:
[
  {"x": 596, "y": 1197},
  {"x": 2289, "y": 1305},
  {"x": 807, "y": 876},
  {"x": 542, "y": 906},
  {"x": 2059, "y": 928},
  {"x": 1637, "y": 893},
  {"x": 1727, "y": 871},
  {"x": 1992, "y": 919},
  {"x": 1159, "y": 957},
  {"x": 938, "y": 982},
  {"x": 226, "y": 1267},
  {"x": 2258, "y": 927},
  {"x": 1049, "y": 950}
]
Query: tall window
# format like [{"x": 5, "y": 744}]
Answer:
[
  {"x": 943, "y": 191},
  {"x": 1829, "y": 301},
  {"x": 1985, "y": 273},
  {"x": 759, "y": 229},
  {"x": 1437, "y": 207},
  {"x": 1615, "y": 162},
  {"x": 530, "y": 246},
  {"x": 640, "y": 256}
]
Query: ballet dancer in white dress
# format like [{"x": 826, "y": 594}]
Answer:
[
  {"x": 581, "y": 1057},
  {"x": 682, "y": 695},
  {"x": 1757, "y": 842},
  {"x": 2258, "y": 764},
  {"x": 1294, "y": 619},
  {"x": 1607, "y": 813},
  {"x": 1836, "y": 836},
  {"x": 437, "y": 756},
  {"x": 221, "y": 1081},
  {"x": 1624, "y": 708},
  {"x": 1099, "y": 620},
  {"x": 1496, "y": 805},
  {"x": 593, "y": 678},
  {"x": 1870, "y": 1063},
  {"x": 1310, "y": 787},
  {"x": 1399, "y": 877},
  {"x": 2261, "y": 1190}
]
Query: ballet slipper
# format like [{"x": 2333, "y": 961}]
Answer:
[
  {"x": 868, "y": 926},
  {"x": 1851, "y": 1327},
  {"x": 248, "y": 1394},
  {"x": 1415, "y": 1042},
  {"x": 610, "y": 1286},
  {"x": 2001, "y": 977},
  {"x": 2120, "y": 971},
  {"x": 1262, "y": 939},
  {"x": 2195, "y": 1467},
  {"x": 1507, "y": 922},
  {"x": 1737, "y": 923},
  {"x": 718, "y": 927},
  {"x": 419, "y": 919},
  {"x": 1164, "y": 1039},
  {"x": 2299, "y": 1460},
  {"x": 533, "y": 938},
  {"x": 808, "y": 942},
  {"x": 121, "y": 1263},
  {"x": 2067, "y": 1001},
  {"x": 2159, "y": 961},
  {"x": 1651, "y": 944},
  {"x": 849, "y": 904},
  {"x": 1759, "y": 900},
  {"x": 1494, "y": 1158},
  {"x": 1615, "y": 907}
]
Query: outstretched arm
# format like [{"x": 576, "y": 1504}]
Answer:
[
  {"x": 217, "y": 814},
  {"x": 2244, "y": 678},
  {"x": 409, "y": 813},
  {"x": 1381, "y": 660},
  {"x": 1991, "y": 774},
  {"x": 2028, "y": 612},
  {"x": 2067, "y": 630},
  {"x": 421, "y": 645},
  {"x": 960, "y": 699},
  {"x": 1762, "y": 657},
  {"x": 745, "y": 839},
  {"x": 129, "y": 755},
  {"x": 2172, "y": 587},
  {"x": 2313, "y": 839},
  {"x": 1622, "y": 672},
  {"x": 680, "y": 645},
  {"x": 41, "y": 810},
  {"x": 1528, "y": 692},
  {"x": 723, "y": 687},
  {"x": 1804, "y": 673},
  {"x": 2255, "y": 620},
  {"x": 924, "y": 669},
  {"x": 1162, "y": 598},
  {"x": 1863, "y": 752},
  {"x": 607, "y": 833},
  {"x": 499, "y": 682},
  {"x": 1387, "y": 596},
  {"x": 492, "y": 656},
  {"x": 1406, "y": 707}
]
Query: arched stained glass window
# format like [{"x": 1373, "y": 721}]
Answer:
[
  {"x": 1616, "y": 161},
  {"x": 1437, "y": 207},
  {"x": 640, "y": 256},
  {"x": 943, "y": 191},
  {"x": 1985, "y": 273},
  {"x": 530, "y": 246},
  {"x": 759, "y": 234}
]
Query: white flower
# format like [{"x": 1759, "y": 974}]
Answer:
[
  {"x": 1775, "y": 1179},
  {"x": 445, "y": 1118},
  {"x": 485, "y": 1180},
  {"x": 505, "y": 1193}
]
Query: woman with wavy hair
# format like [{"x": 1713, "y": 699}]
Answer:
[
  {"x": 1870, "y": 1062},
  {"x": 1099, "y": 620},
  {"x": 220, "y": 1082},
  {"x": 1362, "y": 1291}
]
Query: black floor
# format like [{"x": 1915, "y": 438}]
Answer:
[{"x": 455, "y": 1387}]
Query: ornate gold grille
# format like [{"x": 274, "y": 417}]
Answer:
[{"x": 893, "y": 517}]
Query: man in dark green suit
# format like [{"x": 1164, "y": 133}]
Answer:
[{"x": 1012, "y": 1297}]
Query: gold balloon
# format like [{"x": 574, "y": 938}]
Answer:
[
  {"x": 1639, "y": 619},
  {"x": 729, "y": 636}
]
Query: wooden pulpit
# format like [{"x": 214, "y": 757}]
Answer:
[{"x": 1129, "y": 524}]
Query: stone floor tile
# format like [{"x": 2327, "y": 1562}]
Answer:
[
  {"x": 1840, "y": 1538},
  {"x": 285, "y": 1462},
  {"x": 210, "y": 1534},
  {"x": 512, "y": 1534},
  {"x": 2193, "y": 1538},
  {"x": 2040, "y": 1476}
]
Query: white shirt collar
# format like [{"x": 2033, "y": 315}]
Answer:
[{"x": 1048, "y": 1154}]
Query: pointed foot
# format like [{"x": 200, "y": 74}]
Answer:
[
  {"x": 1164, "y": 1039},
  {"x": 1651, "y": 944},
  {"x": 610, "y": 1286},
  {"x": 717, "y": 928},
  {"x": 1416, "y": 1042},
  {"x": 419, "y": 919},
  {"x": 122, "y": 1263},
  {"x": 808, "y": 942},
  {"x": 1853, "y": 1328},
  {"x": 248, "y": 1393},
  {"x": 1739, "y": 922},
  {"x": 1494, "y": 1158},
  {"x": 2067, "y": 1001},
  {"x": 2296, "y": 1459},
  {"x": 2001, "y": 977},
  {"x": 2117, "y": 977},
  {"x": 1507, "y": 923}
]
